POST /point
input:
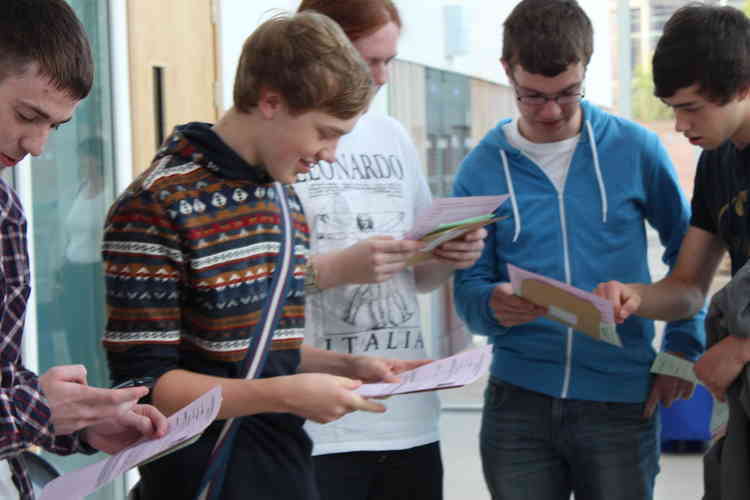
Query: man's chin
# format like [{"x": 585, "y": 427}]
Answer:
[{"x": 707, "y": 145}]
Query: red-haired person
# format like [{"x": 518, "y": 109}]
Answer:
[{"x": 362, "y": 299}]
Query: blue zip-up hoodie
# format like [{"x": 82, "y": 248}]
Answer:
[{"x": 620, "y": 176}]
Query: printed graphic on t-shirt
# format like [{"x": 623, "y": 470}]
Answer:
[
  {"x": 733, "y": 228},
  {"x": 347, "y": 207},
  {"x": 374, "y": 188},
  {"x": 333, "y": 226}
]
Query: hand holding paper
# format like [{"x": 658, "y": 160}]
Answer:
[
  {"x": 463, "y": 251},
  {"x": 372, "y": 369},
  {"x": 510, "y": 309},
  {"x": 581, "y": 310},
  {"x": 674, "y": 380},
  {"x": 374, "y": 260},
  {"x": 187, "y": 423},
  {"x": 450, "y": 218},
  {"x": 625, "y": 298},
  {"x": 323, "y": 398},
  {"x": 112, "y": 435},
  {"x": 454, "y": 371},
  {"x": 448, "y": 213}
]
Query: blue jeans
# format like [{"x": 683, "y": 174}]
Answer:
[{"x": 537, "y": 447}]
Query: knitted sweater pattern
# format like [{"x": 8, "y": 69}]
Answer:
[{"x": 189, "y": 251}]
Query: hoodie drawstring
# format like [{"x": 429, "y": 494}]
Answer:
[
  {"x": 513, "y": 201},
  {"x": 599, "y": 180},
  {"x": 597, "y": 168}
]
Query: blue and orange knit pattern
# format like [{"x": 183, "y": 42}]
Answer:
[{"x": 189, "y": 250}]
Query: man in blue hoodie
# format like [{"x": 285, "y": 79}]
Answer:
[{"x": 564, "y": 412}]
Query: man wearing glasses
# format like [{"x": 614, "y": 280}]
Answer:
[{"x": 565, "y": 413}]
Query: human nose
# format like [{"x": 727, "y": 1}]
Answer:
[
  {"x": 550, "y": 107},
  {"x": 681, "y": 124},
  {"x": 34, "y": 141},
  {"x": 327, "y": 155},
  {"x": 379, "y": 73}
]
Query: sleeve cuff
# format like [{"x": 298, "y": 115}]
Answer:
[{"x": 82, "y": 446}]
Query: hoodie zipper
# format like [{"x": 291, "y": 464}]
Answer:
[
  {"x": 563, "y": 225},
  {"x": 566, "y": 262},
  {"x": 566, "y": 258}
]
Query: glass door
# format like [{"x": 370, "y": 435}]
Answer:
[{"x": 71, "y": 189}]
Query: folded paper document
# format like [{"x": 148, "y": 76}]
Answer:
[
  {"x": 446, "y": 211},
  {"x": 454, "y": 371},
  {"x": 450, "y": 218},
  {"x": 719, "y": 418},
  {"x": 581, "y": 310},
  {"x": 675, "y": 366},
  {"x": 669, "y": 364},
  {"x": 185, "y": 426}
]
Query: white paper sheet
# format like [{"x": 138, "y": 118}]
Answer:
[
  {"x": 446, "y": 236},
  {"x": 719, "y": 419},
  {"x": 454, "y": 371},
  {"x": 669, "y": 364},
  {"x": 183, "y": 425},
  {"x": 448, "y": 210}
]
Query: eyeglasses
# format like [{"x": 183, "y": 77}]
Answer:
[{"x": 541, "y": 99}]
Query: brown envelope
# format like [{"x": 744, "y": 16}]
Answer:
[{"x": 568, "y": 309}]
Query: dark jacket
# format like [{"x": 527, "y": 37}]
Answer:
[{"x": 726, "y": 466}]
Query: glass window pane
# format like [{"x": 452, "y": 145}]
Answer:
[{"x": 72, "y": 189}]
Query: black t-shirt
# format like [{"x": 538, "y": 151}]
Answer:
[{"x": 720, "y": 199}]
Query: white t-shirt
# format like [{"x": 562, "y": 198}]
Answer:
[
  {"x": 553, "y": 158},
  {"x": 375, "y": 187}
]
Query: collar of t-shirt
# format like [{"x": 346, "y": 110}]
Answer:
[{"x": 553, "y": 158}]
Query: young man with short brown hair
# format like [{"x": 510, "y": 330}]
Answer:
[
  {"x": 47, "y": 70},
  {"x": 565, "y": 413},
  {"x": 192, "y": 247}
]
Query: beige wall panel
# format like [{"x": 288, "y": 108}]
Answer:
[
  {"x": 490, "y": 103},
  {"x": 407, "y": 100},
  {"x": 178, "y": 37}
]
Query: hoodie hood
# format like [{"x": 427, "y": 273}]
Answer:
[
  {"x": 498, "y": 140},
  {"x": 197, "y": 142}
]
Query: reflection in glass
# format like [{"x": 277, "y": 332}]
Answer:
[{"x": 72, "y": 189}]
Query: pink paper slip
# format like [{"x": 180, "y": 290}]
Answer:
[{"x": 454, "y": 371}]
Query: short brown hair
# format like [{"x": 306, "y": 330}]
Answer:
[
  {"x": 358, "y": 18},
  {"x": 48, "y": 33},
  {"x": 547, "y": 36},
  {"x": 308, "y": 59}
]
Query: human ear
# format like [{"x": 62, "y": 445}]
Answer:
[
  {"x": 507, "y": 68},
  {"x": 269, "y": 103}
]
